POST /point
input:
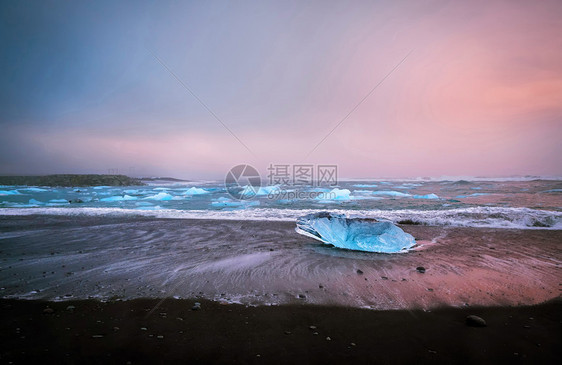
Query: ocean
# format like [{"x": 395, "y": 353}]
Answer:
[
  {"x": 480, "y": 242},
  {"x": 477, "y": 203}
]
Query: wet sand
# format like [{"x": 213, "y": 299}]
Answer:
[
  {"x": 137, "y": 333},
  {"x": 260, "y": 262}
]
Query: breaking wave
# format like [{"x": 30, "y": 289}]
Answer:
[{"x": 492, "y": 217}]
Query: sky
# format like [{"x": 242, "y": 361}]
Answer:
[{"x": 190, "y": 89}]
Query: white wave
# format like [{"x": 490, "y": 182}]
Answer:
[{"x": 492, "y": 217}]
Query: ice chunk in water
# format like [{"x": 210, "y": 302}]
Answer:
[
  {"x": 118, "y": 198},
  {"x": 195, "y": 191},
  {"x": 335, "y": 194},
  {"x": 427, "y": 196},
  {"x": 355, "y": 233},
  {"x": 160, "y": 196},
  {"x": 9, "y": 192},
  {"x": 390, "y": 193}
]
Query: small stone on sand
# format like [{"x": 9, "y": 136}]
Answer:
[{"x": 475, "y": 321}]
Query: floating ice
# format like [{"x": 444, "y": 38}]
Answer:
[
  {"x": 35, "y": 190},
  {"x": 362, "y": 191},
  {"x": 59, "y": 201},
  {"x": 266, "y": 190},
  {"x": 160, "y": 196},
  {"x": 471, "y": 195},
  {"x": 355, "y": 233},
  {"x": 365, "y": 185},
  {"x": 225, "y": 202},
  {"x": 390, "y": 193},
  {"x": 427, "y": 196},
  {"x": 118, "y": 198},
  {"x": 318, "y": 190},
  {"x": 9, "y": 192},
  {"x": 195, "y": 191},
  {"x": 335, "y": 194},
  {"x": 35, "y": 202}
]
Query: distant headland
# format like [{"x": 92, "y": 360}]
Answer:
[{"x": 71, "y": 180}]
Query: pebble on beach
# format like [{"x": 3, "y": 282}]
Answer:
[{"x": 475, "y": 321}]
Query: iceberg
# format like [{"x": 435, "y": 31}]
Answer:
[
  {"x": 9, "y": 192},
  {"x": 427, "y": 196},
  {"x": 360, "y": 234},
  {"x": 390, "y": 193},
  {"x": 160, "y": 196},
  {"x": 195, "y": 191},
  {"x": 271, "y": 189},
  {"x": 225, "y": 202},
  {"x": 35, "y": 190},
  {"x": 118, "y": 198},
  {"x": 335, "y": 194},
  {"x": 365, "y": 185}
]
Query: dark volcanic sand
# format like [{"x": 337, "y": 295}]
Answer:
[
  {"x": 258, "y": 262},
  {"x": 107, "y": 333}
]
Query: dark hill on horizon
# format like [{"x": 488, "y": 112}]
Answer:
[{"x": 71, "y": 180}]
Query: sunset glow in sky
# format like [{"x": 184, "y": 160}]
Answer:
[{"x": 479, "y": 94}]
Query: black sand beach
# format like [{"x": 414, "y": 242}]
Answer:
[
  {"x": 152, "y": 332},
  {"x": 143, "y": 276}
]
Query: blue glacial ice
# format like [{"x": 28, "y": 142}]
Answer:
[
  {"x": 195, "y": 191},
  {"x": 338, "y": 194},
  {"x": 9, "y": 192},
  {"x": 355, "y": 233},
  {"x": 334, "y": 195},
  {"x": 226, "y": 202},
  {"x": 426, "y": 196},
  {"x": 118, "y": 198},
  {"x": 365, "y": 185},
  {"x": 34, "y": 189},
  {"x": 160, "y": 196},
  {"x": 266, "y": 190},
  {"x": 390, "y": 193},
  {"x": 59, "y": 201}
]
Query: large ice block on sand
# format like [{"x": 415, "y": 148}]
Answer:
[{"x": 355, "y": 233}]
